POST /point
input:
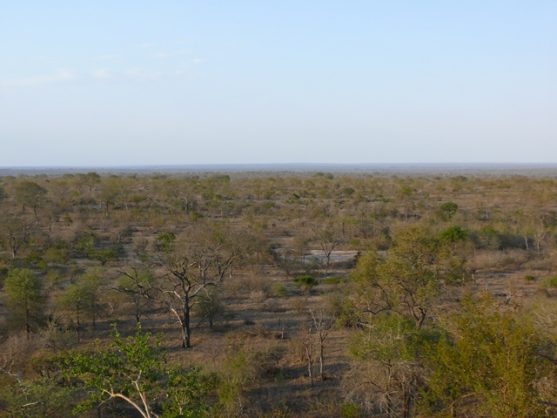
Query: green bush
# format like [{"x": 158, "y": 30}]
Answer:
[
  {"x": 350, "y": 410},
  {"x": 306, "y": 281},
  {"x": 454, "y": 234},
  {"x": 448, "y": 210},
  {"x": 551, "y": 282},
  {"x": 279, "y": 290},
  {"x": 332, "y": 280}
]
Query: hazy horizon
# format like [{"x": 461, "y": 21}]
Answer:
[
  {"x": 181, "y": 83},
  {"x": 300, "y": 163},
  {"x": 548, "y": 170}
]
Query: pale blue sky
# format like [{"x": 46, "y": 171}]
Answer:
[{"x": 185, "y": 82}]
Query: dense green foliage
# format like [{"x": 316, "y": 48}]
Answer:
[{"x": 134, "y": 371}]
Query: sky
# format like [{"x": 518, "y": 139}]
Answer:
[{"x": 112, "y": 83}]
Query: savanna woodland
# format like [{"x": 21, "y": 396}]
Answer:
[{"x": 278, "y": 295}]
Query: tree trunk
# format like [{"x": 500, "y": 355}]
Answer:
[
  {"x": 539, "y": 239},
  {"x": 27, "y": 319},
  {"x": 321, "y": 360},
  {"x": 186, "y": 324},
  {"x": 13, "y": 247},
  {"x": 137, "y": 313},
  {"x": 328, "y": 255},
  {"x": 388, "y": 398},
  {"x": 310, "y": 364},
  {"x": 77, "y": 325},
  {"x": 408, "y": 399},
  {"x": 94, "y": 316},
  {"x": 407, "y": 413}
]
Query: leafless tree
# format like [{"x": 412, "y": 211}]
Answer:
[
  {"x": 308, "y": 352},
  {"x": 198, "y": 260},
  {"x": 328, "y": 239},
  {"x": 321, "y": 325}
]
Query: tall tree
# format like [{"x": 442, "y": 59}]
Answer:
[
  {"x": 15, "y": 233},
  {"x": 30, "y": 194},
  {"x": 196, "y": 261},
  {"x": 24, "y": 298},
  {"x": 82, "y": 298},
  {"x": 74, "y": 299},
  {"x": 396, "y": 297},
  {"x": 111, "y": 188}
]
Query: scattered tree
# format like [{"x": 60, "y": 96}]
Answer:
[
  {"x": 30, "y": 194},
  {"x": 24, "y": 298},
  {"x": 195, "y": 262}
]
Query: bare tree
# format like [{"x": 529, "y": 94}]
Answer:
[
  {"x": 308, "y": 352},
  {"x": 199, "y": 259},
  {"x": 321, "y": 325},
  {"x": 540, "y": 233},
  {"x": 328, "y": 239}
]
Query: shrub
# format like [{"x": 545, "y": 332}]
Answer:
[
  {"x": 448, "y": 210},
  {"x": 332, "y": 280},
  {"x": 236, "y": 373},
  {"x": 305, "y": 282},
  {"x": 279, "y": 290},
  {"x": 551, "y": 282},
  {"x": 350, "y": 410},
  {"x": 454, "y": 234},
  {"x": 165, "y": 241},
  {"x": 210, "y": 307}
]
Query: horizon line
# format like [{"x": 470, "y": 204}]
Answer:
[{"x": 221, "y": 164}]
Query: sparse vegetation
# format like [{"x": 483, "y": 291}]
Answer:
[{"x": 246, "y": 295}]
